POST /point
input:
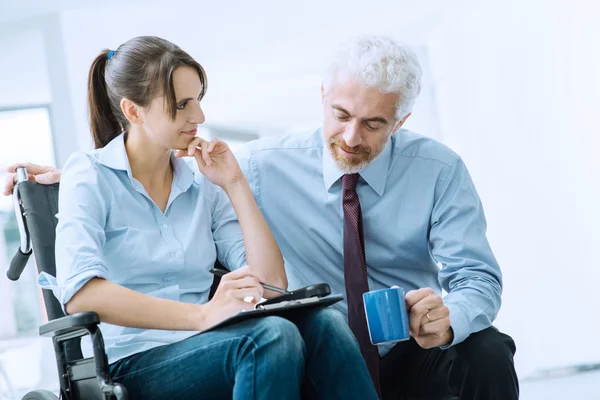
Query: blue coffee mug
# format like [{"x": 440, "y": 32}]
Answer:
[{"x": 387, "y": 318}]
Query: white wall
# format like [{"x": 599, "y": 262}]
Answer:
[
  {"x": 263, "y": 63},
  {"x": 23, "y": 68},
  {"x": 518, "y": 95}
]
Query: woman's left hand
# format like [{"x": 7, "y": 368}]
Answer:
[{"x": 215, "y": 160}]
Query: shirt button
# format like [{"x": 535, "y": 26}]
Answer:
[
  {"x": 165, "y": 226},
  {"x": 178, "y": 255}
]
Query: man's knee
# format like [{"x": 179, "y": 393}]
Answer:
[
  {"x": 488, "y": 349},
  {"x": 281, "y": 335},
  {"x": 329, "y": 317},
  {"x": 331, "y": 322}
]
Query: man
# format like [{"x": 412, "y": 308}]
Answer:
[{"x": 363, "y": 205}]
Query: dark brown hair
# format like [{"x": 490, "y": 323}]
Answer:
[{"x": 139, "y": 70}]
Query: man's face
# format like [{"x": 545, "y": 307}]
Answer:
[{"x": 358, "y": 120}]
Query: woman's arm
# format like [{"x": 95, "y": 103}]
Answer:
[
  {"x": 262, "y": 252},
  {"x": 219, "y": 165},
  {"x": 119, "y": 305}
]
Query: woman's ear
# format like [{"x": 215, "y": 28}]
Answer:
[{"x": 132, "y": 111}]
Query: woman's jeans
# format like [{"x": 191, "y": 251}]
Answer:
[{"x": 262, "y": 358}]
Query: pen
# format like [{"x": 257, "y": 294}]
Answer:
[{"x": 220, "y": 272}]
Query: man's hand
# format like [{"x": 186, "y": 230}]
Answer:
[
  {"x": 38, "y": 173},
  {"x": 429, "y": 318}
]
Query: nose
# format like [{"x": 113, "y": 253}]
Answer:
[
  {"x": 352, "y": 135},
  {"x": 197, "y": 115}
]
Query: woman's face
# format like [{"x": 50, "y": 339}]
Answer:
[{"x": 176, "y": 133}]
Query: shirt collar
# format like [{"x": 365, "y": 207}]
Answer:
[
  {"x": 114, "y": 156},
  {"x": 375, "y": 174}
]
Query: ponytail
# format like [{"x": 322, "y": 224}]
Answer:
[{"x": 104, "y": 124}]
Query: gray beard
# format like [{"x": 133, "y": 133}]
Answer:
[
  {"x": 346, "y": 168},
  {"x": 351, "y": 169}
]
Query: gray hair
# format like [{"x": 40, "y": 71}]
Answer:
[{"x": 381, "y": 63}]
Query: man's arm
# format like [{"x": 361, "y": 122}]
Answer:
[
  {"x": 41, "y": 174},
  {"x": 470, "y": 274}
]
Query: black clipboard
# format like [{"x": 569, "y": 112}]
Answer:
[{"x": 285, "y": 309}]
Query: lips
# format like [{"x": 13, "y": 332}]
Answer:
[
  {"x": 348, "y": 152},
  {"x": 354, "y": 153},
  {"x": 191, "y": 132}
]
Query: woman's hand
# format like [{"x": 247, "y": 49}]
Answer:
[
  {"x": 215, "y": 160},
  {"x": 230, "y": 294}
]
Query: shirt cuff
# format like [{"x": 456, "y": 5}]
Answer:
[
  {"x": 66, "y": 291},
  {"x": 460, "y": 325}
]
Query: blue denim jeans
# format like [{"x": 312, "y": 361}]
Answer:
[{"x": 265, "y": 358}]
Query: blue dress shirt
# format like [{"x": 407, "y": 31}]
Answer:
[
  {"x": 420, "y": 211},
  {"x": 108, "y": 227}
]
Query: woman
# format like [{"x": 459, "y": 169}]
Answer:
[{"x": 138, "y": 231}]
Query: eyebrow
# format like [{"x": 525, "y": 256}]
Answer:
[
  {"x": 187, "y": 99},
  {"x": 374, "y": 119}
]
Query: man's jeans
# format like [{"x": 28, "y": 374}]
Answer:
[{"x": 263, "y": 358}]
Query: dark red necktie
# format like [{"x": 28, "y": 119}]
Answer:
[{"x": 355, "y": 275}]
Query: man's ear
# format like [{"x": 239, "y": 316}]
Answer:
[
  {"x": 132, "y": 111},
  {"x": 400, "y": 123},
  {"x": 322, "y": 94}
]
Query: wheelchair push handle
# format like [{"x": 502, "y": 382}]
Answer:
[
  {"x": 17, "y": 265},
  {"x": 20, "y": 259}
]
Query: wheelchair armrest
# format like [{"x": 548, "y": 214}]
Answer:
[
  {"x": 70, "y": 324},
  {"x": 75, "y": 326}
]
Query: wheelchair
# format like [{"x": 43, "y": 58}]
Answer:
[
  {"x": 36, "y": 207},
  {"x": 80, "y": 378}
]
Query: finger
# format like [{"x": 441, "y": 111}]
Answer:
[
  {"x": 205, "y": 155},
  {"x": 48, "y": 178},
  {"x": 428, "y": 303},
  {"x": 435, "y": 314},
  {"x": 9, "y": 184},
  {"x": 242, "y": 294},
  {"x": 213, "y": 143},
  {"x": 239, "y": 273},
  {"x": 246, "y": 282},
  {"x": 13, "y": 168},
  {"x": 191, "y": 149},
  {"x": 435, "y": 328},
  {"x": 414, "y": 296},
  {"x": 199, "y": 159},
  {"x": 31, "y": 168},
  {"x": 420, "y": 310}
]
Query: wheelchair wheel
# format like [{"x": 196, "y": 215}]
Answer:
[{"x": 40, "y": 395}]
